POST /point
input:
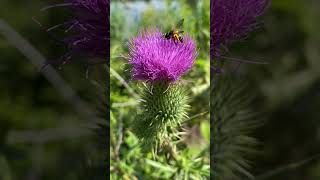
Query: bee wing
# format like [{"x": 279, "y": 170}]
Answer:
[{"x": 180, "y": 23}]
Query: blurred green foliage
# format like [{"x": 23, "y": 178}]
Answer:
[
  {"x": 127, "y": 161},
  {"x": 289, "y": 94},
  {"x": 288, "y": 88},
  {"x": 33, "y": 109}
]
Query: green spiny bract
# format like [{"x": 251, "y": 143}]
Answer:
[
  {"x": 232, "y": 120},
  {"x": 164, "y": 107}
]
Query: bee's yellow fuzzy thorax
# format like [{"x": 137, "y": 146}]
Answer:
[{"x": 176, "y": 36}]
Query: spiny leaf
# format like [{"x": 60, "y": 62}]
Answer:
[{"x": 160, "y": 166}]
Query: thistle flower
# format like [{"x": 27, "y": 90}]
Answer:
[
  {"x": 160, "y": 62},
  {"x": 232, "y": 20},
  {"x": 231, "y": 117},
  {"x": 87, "y": 30},
  {"x": 154, "y": 58}
]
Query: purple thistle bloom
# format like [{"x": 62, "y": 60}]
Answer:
[
  {"x": 87, "y": 30},
  {"x": 91, "y": 27},
  {"x": 231, "y": 20},
  {"x": 155, "y": 58}
]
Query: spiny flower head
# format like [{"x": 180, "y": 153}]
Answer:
[
  {"x": 233, "y": 19},
  {"x": 155, "y": 58}
]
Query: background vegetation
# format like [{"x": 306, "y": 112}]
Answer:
[
  {"x": 288, "y": 89},
  {"x": 42, "y": 136},
  {"x": 45, "y": 132}
]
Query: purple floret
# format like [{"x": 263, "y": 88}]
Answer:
[
  {"x": 231, "y": 20},
  {"x": 87, "y": 30},
  {"x": 91, "y": 28},
  {"x": 155, "y": 58}
]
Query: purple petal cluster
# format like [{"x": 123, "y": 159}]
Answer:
[
  {"x": 87, "y": 31},
  {"x": 155, "y": 58},
  {"x": 91, "y": 27},
  {"x": 231, "y": 20}
]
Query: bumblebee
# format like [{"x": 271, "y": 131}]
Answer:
[{"x": 175, "y": 34}]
